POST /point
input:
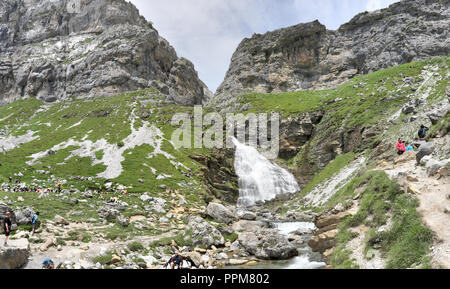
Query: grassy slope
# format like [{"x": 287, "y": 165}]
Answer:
[{"x": 99, "y": 118}]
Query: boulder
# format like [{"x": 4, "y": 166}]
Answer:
[
  {"x": 326, "y": 220},
  {"x": 50, "y": 242},
  {"x": 15, "y": 256},
  {"x": 406, "y": 157},
  {"x": 249, "y": 226},
  {"x": 194, "y": 257},
  {"x": 220, "y": 213},
  {"x": 108, "y": 213},
  {"x": 425, "y": 149},
  {"x": 268, "y": 246},
  {"x": 323, "y": 242},
  {"x": 60, "y": 220},
  {"x": 433, "y": 166},
  {"x": 246, "y": 215},
  {"x": 25, "y": 216},
  {"x": 275, "y": 247},
  {"x": 204, "y": 234},
  {"x": 122, "y": 220}
]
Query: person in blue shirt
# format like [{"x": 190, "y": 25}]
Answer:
[
  {"x": 409, "y": 148},
  {"x": 34, "y": 222}
]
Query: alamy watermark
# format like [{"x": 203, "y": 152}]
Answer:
[{"x": 213, "y": 130}]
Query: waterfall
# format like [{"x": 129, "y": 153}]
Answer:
[{"x": 259, "y": 179}]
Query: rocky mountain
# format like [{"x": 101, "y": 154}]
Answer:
[
  {"x": 308, "y": 56},
  {"x": 54, "y": 50}
]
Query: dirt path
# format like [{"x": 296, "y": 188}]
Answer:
[{"x": 433, "y": 202}]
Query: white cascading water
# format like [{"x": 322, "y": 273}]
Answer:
[{"x": 259, "y": 179}]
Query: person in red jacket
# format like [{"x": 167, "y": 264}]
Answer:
[{"x": 400, "y": 147}]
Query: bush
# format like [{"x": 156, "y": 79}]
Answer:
[{"x": 135, "y": 247}]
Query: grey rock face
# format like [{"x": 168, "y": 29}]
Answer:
[
  {"x": 56, "y": 50},
  {"x": 307, "y": 56},
  {"x": 16, "y": 255},
  {"x": 220, "y": 213}
]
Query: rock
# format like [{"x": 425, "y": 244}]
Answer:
[
  {"x": 221, "y": 256},
  {"x": 15, "y": 256},
  {"x": 25, "y": 216},
  {"x": 205, "y": 260},
  {"x": 413, "y": 190},
  {"x": 246, "y": 215},
  {"x": 412, "y": 179},
  {"x": 271, "y": 246},
  {"x": 108, "y": 213},
  {"x": 60, "y": 220},
  {"x": 115, "y": 259},
  {"x": 112, "y": 47},
  {"x": 277, "y": 61},
  {"x": 406, "y": 157},
  {"x": 50, "y": 242},
  {"x": 330, "y": 219},
  {"x": 237, "y": 262},
  {"x": 220, "y": 213},
  {"x": 204, "y": 234},
  {"x": 433, "y": 166},
  {"x": 447, "y": 210},
  {"x": 155, "y": 204},
  {"x": 323, "y": 241},
  {"x": 249, "y": 226},
  {"x": 122, "y": 220},
  {"x": 424, "y": 150}
]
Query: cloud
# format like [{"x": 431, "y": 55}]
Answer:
[
  {"x": 373, "y": 5},
  {"x": 207, "y": 32}
]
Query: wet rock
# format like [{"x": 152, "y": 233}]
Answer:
[{"x": 269, "y": 245}]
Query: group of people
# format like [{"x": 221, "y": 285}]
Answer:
[
  {"x": 403, "y": 146},
  {"x": 23, "y": 188}
]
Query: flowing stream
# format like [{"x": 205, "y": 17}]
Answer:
[{"x": 261, "y": 180}]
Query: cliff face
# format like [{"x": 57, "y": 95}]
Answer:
[
  {"x": 82, "y": 48},
  {"x": 308, "y": 56}
]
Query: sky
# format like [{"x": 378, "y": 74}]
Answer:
[{"x": 207, "y": 32}]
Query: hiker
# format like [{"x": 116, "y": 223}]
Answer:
[
  {"x": 7, "y": 227},
  {"x": 34, "y": 222},
  {"x": 400, "y": 147},
  {"x": 48, "y": 264},
  {"x": 409, "y": 147},
  {"x": 59, "y": 187},
  {"x": 423, "y": 132},
  {"x": 176, "y": 260}
]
